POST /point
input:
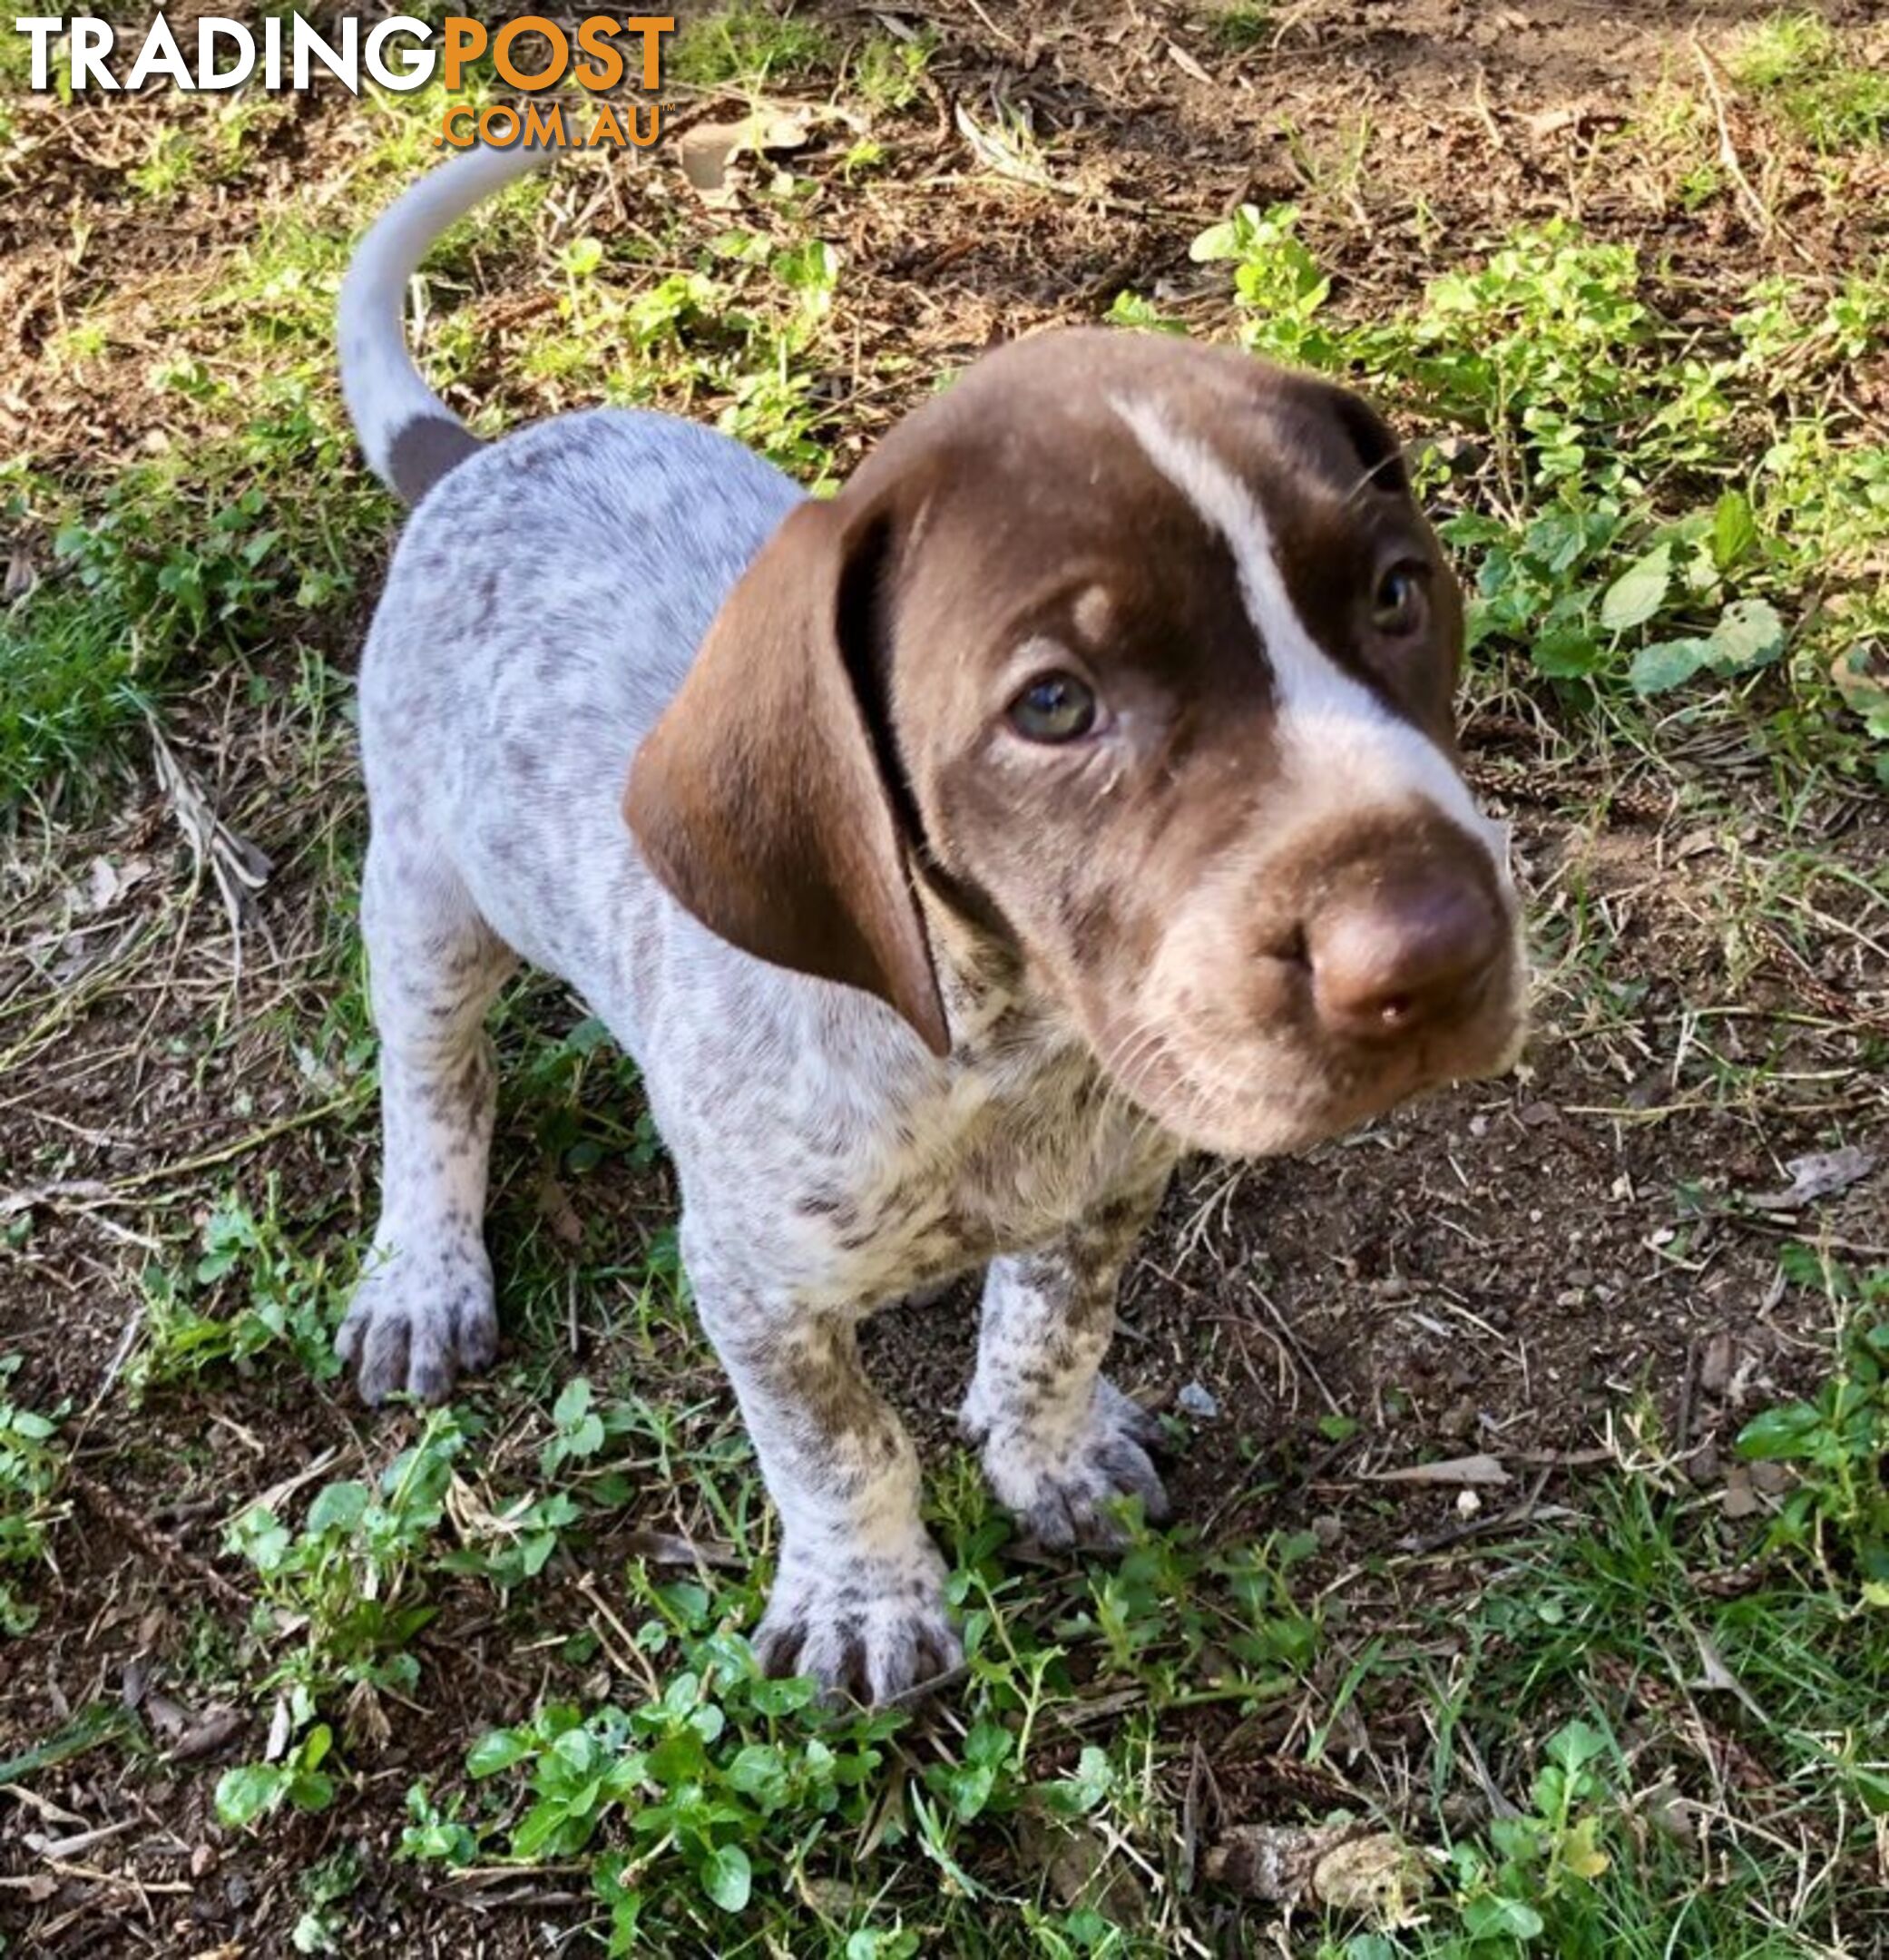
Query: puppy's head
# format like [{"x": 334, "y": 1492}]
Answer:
[{"x": 1141, "y": 654}]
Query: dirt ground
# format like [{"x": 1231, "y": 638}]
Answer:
[{"x": 1550, "y": 1268}]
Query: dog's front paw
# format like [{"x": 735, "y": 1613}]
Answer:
[
  {"x": 1063, "y": 1494},
  {"x": 871, "y": 1627},
  {"x": 421, "y": 1314}
]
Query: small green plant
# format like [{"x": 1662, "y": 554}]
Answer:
[
  {"x": 1164, "y": 1606},
  {"x": 1537, "y": 585},
  {"x": 774, "y": 407},
  {"x": 84, "y": 650},
  {"x": 1281, "y": 291},
  {"x": 889, "y": 72},
  {"x": 167, "y": 171},
  {"x": 218, "y": 581},
  {"x": 31, "y": 1467},
  {"x": 714, "y": 1778},
  {"x": 1837, "y": 1440},
  {"x": 350, "y": 1581},
  {"x": 1240, "y": 25},
  {"x": 578, "y": 1427},
  {"x": 248, "y": 1292},
  {"x": 438, "y": 1834},
  {"x": 1134, "y": 310},
  {"x": 296, "y": 1778},
  {"x": 1533, "y": 1877},
  {"x": 326, "y": 1885}
]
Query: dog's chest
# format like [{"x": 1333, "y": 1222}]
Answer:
[{"x": 989, "y": 1165}]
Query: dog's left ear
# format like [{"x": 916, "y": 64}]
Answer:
[{"x": 762, "y": 798}]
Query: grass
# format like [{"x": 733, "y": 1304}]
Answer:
[
  {"x": 1608, "y": 1716},
  {"x": 749, "y": 45},
  {"x": 1238, "y": 25},
  {"x": 1796, "y": 63}
]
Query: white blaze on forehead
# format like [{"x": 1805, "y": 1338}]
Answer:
[
  {"x": 1338, "y": 744},
  {"x": 1094, "y": 615}
]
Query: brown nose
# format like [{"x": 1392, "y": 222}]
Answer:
[{"x": 1386, "y": 963}]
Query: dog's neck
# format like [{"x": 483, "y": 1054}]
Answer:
[{"x": 993, "y": 1005}]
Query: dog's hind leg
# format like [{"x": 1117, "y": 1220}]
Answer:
[{"x": 424, "y": 1308}]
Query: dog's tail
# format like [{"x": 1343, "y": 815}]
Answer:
[{"x": 411, "y": 438}]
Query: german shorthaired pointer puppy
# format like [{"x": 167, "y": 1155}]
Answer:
[{"x": 1075, "y": 789}]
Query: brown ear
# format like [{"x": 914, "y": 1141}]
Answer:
[{"x": 759, "y": 797}]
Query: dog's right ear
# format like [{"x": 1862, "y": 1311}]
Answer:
[{"x": 760, "y": 798}]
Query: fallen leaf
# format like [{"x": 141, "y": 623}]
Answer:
[
  {"x": 1715, "y": 1367},
  {"x": 1273, "y": 1862},
  {"x": 1720, "y": 1678},
  {"x": 1379, "y": 1876},
  {"x": 1739, "y": 1499},
  {"x": 710, "y": 149},
  {"x": 666, "y": 1548},
  {"x": 999, "y": 151},
  {"x": 168, "y": 1717},
  {"x": 1862, "y": 678},
  {"x": 560, "y": 1214},
  {"x": 213, "y": 1729},
  {"x": 1478, "y": 1469},
  {"x": 1821, "y": 1175},
  {"x": 281, "y": 1726}
]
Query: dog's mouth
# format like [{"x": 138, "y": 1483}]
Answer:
[{"x": 1269, "y": 1093}]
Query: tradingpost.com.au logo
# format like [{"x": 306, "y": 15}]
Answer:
[{"x": 616, "y": 59}]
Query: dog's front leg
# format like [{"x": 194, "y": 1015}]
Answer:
[
  {"x": 1061, "y": 1442},
  {"x": 858, "y": 1597},
  {"x": 424, "y": 1308}
]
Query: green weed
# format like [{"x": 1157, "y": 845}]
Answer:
[
  {"x": 137, "y": 593},
  {"x": 1796, "y": 62},
  {"x": 350, "y": 1581},
  {"x": 168, "y": 170},
  {"x": 31, "y": 1467},
  {"x": 1577, "y": 1816},
  {"x": 254, "y": 1791},
  {"x": 1240, "y": 25},
  {"x": 248, "y": 1291},
  {"x": 888, "y": 73},
  {"x": 1838, "y": 1440},
  {"x": 325, "y": 1886}
]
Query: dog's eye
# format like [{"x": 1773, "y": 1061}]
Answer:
[
  {"x": 1054, "y": 707},
  {"x": 1398, "y": 605}
]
